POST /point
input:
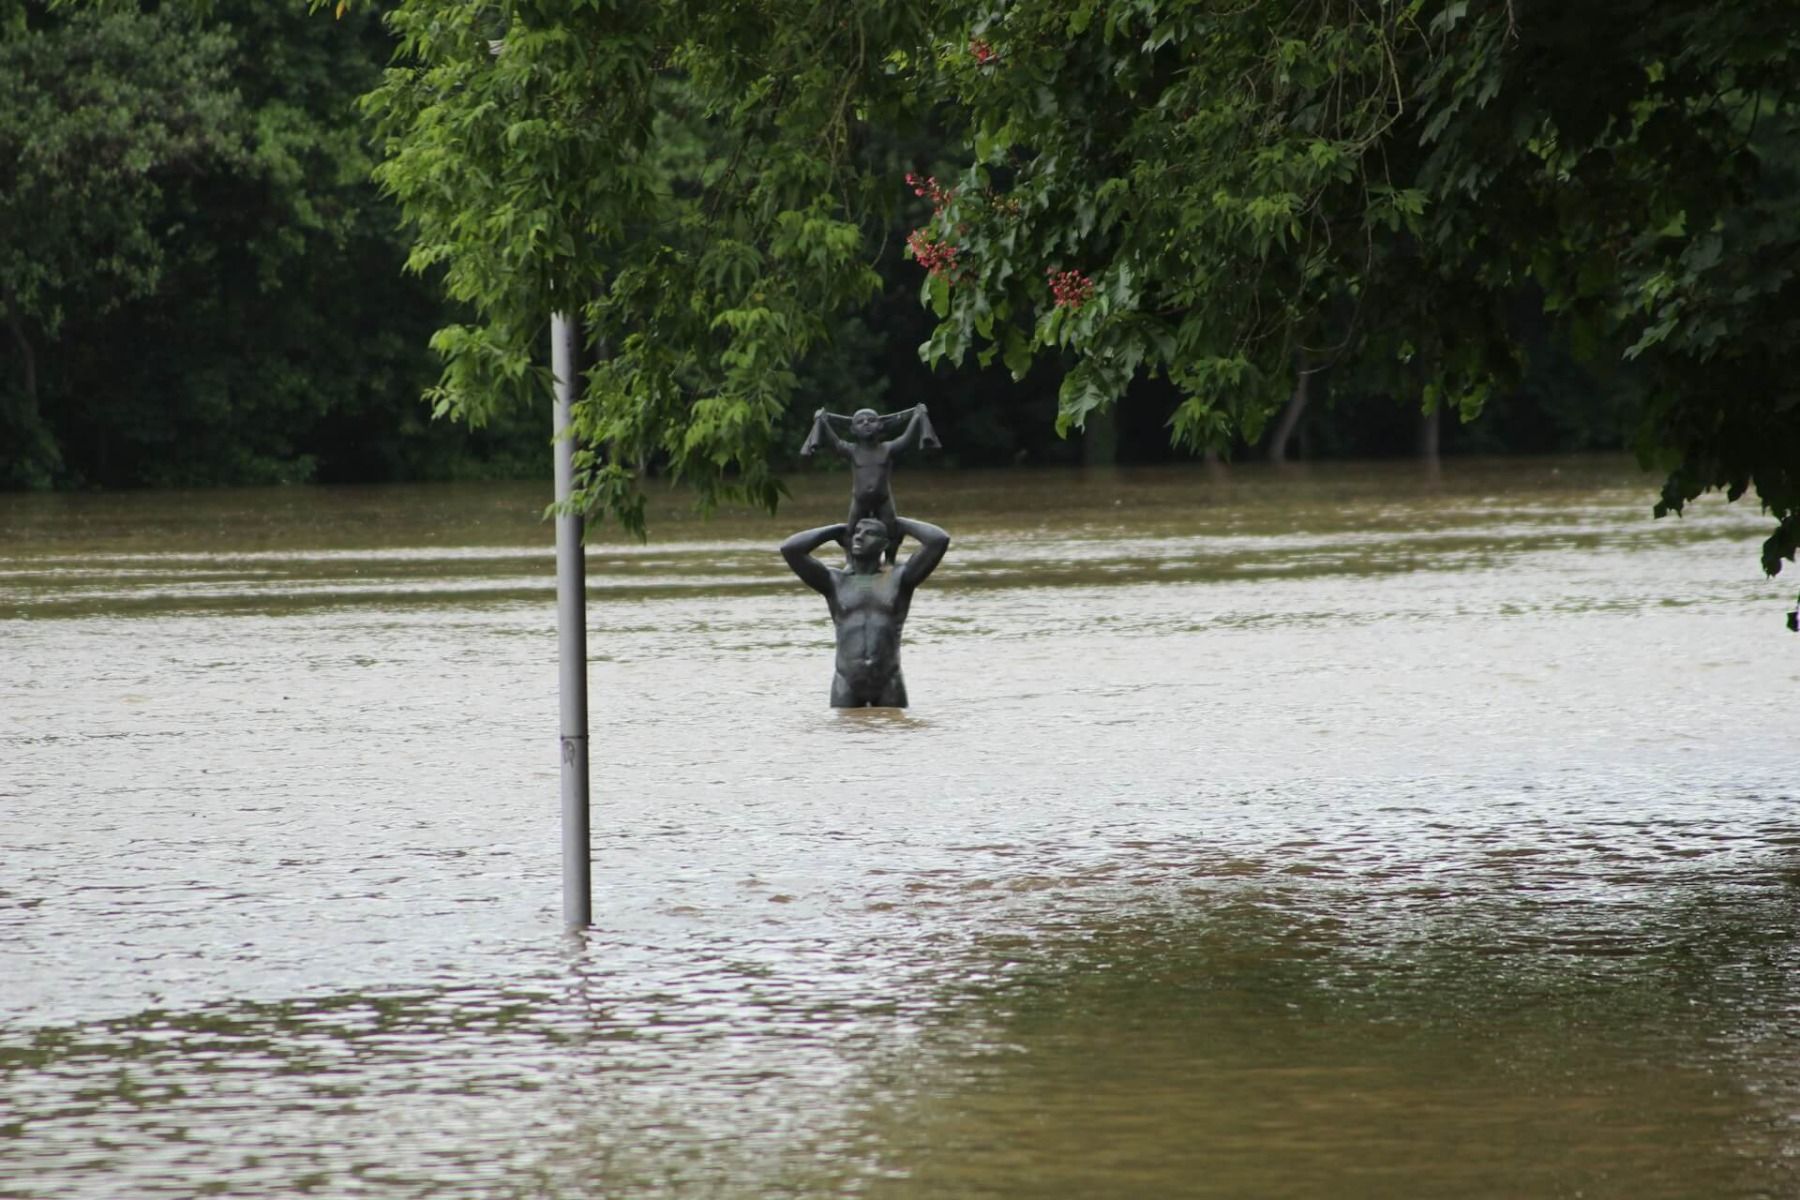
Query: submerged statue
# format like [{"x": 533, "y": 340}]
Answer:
[
  {"x": 877, "y": 440},
  {"x": 868, "y": 601}
]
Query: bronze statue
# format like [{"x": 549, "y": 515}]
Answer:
[
  {"x": 876, "y": 441},
  {"x": 868, "y": 602}
]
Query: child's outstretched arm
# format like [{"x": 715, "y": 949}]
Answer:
[
  {"x": 918, "y": 429},
  {"x": 823, "y": 432}
]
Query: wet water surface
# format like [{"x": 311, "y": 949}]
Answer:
[{"x": 1336, "y": 833}]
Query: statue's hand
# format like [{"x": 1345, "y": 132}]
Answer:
[
  {"x": 919, "y": 407},
  {"x": 819, "y": 415}
]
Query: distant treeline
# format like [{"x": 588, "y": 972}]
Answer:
[{"x": 202, "y": 286}]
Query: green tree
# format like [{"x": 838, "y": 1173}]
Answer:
[
  {"x": 1220, "y": 189},
  {"x": 103, "y": 114},
  {"x": 212, "y": 299},
  {"x": 1198, "y": 192},
  {"x": 687, "y": 178}
]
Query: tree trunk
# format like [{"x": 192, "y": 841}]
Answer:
[
  {"x": 27, "y": 356},
  {"x": 1216, "y": 470},
  {"x": 1290, "y": 416},
  {"x": 33, "y": 457},
  {"x": 1429, "y": 430},
  {"x": 1100, "y": 439}
]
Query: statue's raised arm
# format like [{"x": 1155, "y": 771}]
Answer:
[
  {"x": 914, "y": 429},
  {"x": 897, "y": 431},
  {"x": 798, "y": 549},
  {"x": 824, "y": 429},
  {"x": 933, "y": 543}
]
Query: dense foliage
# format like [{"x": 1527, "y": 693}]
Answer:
[
  {"x": 1226, "y": 194},
  {"x": 99, "y": 121},
  {"x": 201, "y": 283},
  {"x": 1169, "y": 218},
  {"x": 1441, "y": 201},
  {"x": 684, "y": 177}
]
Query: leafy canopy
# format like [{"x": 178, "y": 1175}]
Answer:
[
  {"x": 1216, "y": 193},
  {"x": 199, "y": 282},
  {"x": 683, "y": 176},
  {"x": 98, "y": 118}
]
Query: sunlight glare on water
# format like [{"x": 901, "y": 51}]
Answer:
[{"x": 1332, "y": 832}]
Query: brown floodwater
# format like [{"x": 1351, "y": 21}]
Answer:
[{"x": 1334, "y": 832}]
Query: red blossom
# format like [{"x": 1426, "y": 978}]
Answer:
[
  {"x": 984, "y": 53},
  {"x": 938, "y": 258},
  {"x": 928, "y": 187},
  {"x": 934, "y": 254},
  {"x": 1071, "y": 288}
]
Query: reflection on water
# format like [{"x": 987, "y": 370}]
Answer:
[
  {"x": 1275, "y": 1048},
  {"x": 1331, "y": 833}
]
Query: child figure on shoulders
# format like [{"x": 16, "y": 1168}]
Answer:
[{"x": 872, "y": 451}]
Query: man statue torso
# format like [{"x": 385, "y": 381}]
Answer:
[
  {"x": 868, "y": 602},
  {"x": 869, "y": 612}
]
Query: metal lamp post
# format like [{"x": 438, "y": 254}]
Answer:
[{"x": 571, "y": 639}]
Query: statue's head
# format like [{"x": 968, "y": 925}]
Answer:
[
  {"x": 865, "y": 423},
  {"x": 869, "y": 538}
]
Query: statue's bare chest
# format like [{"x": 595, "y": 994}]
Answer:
[{"x": 865, "y": 593}]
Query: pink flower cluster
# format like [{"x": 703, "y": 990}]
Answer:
[
  {"x": 983, "y": 52},
  {"x": 928, "y": 187},
  {"x": 938, "y": 258},
  {"x": 1071, "y": 288}
]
